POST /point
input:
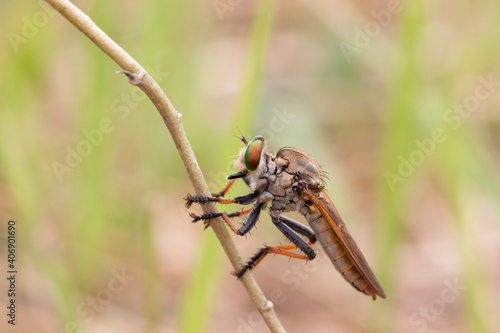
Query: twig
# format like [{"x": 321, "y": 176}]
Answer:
[{"x": 172, "y": 118}]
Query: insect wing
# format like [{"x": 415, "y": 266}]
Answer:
[{"x": 330, "y": 213}]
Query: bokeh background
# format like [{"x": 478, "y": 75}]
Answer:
[{"x": 391, "y": 97}]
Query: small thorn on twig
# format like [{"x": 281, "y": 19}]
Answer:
[
  {"x": 268, "y": 306},
  {"x": 133, "y": 78}
]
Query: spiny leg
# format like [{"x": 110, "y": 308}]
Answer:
[
  {"x": 299, "y": 228},
  {"x": 249, "y": 223},
  {"x": 232, "y": 178},
  {"x": 263, "y": 252},
  {"x": 226, "y": 217},
  {"x": 291, "y": 229},
  {"x": 219, "y": 198},
  {"x": 223, "y": 192},
  {"x": 251, "y": 220},
  {"x": 242, "y": 200}
]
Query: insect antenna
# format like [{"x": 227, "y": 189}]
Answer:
[{"x": 242, "y": 136}]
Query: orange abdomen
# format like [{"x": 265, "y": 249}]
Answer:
[{"x": 338, "y": 254}]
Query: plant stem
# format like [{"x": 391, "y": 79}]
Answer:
[{"x": 172, "y": 119}]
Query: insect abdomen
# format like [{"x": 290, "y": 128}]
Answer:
[{"x": 337, "y": 254}]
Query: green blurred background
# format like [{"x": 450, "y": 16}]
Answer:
[{"x": 390, "y": 97}]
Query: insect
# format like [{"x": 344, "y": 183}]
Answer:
[{"x": 291, "y": 181}]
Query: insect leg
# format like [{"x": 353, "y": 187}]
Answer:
[
  {"x": 294, "y": 237},
  {"x": 225, "y": 189},
  {"x": 249, "y": 223},
  {"x": 263, "y": 252},
  {"x": 289, "y": 228},
  {"x": 242, "y": 200},
  {"x": 299, "y": 228},
  {"x": 190, "y": 199},
  {"x": 232, "y": 178},
  {"x": 250, "y": 220},
  {"x": 226, "y": 217},
  {"x": 237, "y": 175}
]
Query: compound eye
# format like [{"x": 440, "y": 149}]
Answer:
[{"x": 253, "y": 153}]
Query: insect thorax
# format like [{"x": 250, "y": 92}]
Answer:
[{"x": 281, "y": 178}]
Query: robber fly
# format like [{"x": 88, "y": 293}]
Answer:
[{"x": 292, "y": 181}]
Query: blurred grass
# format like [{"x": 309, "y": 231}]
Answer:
[
  {"x": 453, "y": 161},
  {"x": 399, "y": 134}
]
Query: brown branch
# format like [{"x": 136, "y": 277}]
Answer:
[{"x": 172, "y": 118}]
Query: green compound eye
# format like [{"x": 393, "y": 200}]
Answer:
[{"x": 252, "y": 155}]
